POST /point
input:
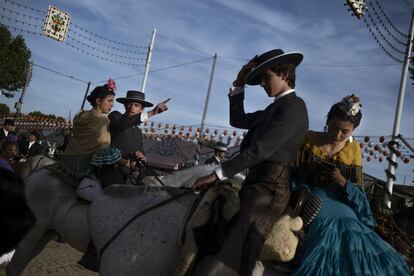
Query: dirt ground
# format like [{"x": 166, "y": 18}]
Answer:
[{"x": 56, "y": 260}]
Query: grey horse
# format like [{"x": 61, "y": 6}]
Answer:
[
  {"x": 58, "y": 211},
  {"x": 149, "y": 245},
  {"x": 32, "y": 164}
]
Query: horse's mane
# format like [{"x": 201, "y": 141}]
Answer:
[{"x": 131, "y": 191}]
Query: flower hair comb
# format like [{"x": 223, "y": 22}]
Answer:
[{"x": 352, "y": 104}]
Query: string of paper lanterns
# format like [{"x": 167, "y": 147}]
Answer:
[{"x": 167, "y": 131}]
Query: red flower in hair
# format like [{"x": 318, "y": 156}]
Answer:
[{"x": 111, "y": 85}]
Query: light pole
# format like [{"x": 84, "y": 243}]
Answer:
[
  {"x": 358, "y": 7},
  {"x": 148, "y": 61},
  {"x": 19, "y": 104},
  {"x": 397, "y": 119},
  {"x": 208, "y": 96}
]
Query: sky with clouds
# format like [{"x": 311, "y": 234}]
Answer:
[{"x": 340, "y": 57}]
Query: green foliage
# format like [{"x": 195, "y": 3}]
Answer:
[
  {"x": 207, "y": 143},
  {"x": 4, "y": 109},
  {"x": 41, "y": 114},
  {"x": 14, "y": 62}
]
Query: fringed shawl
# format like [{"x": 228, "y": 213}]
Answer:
[
  {"x": 90, "y": 135},
  {"x": 348, "y": 160}
]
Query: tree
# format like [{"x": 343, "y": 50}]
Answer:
[
  {"x": 41, "y": 114},
  {"x": 14, "y": 62},
  {"x": 4, "y": 109}
]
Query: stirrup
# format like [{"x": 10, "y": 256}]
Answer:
[{"x": 307, "y": 206}]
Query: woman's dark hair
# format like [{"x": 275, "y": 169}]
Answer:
[
  {"x": 100, "y": 92},
  {"x": 346, "y": 110},
  {"x": 288, "y": 69}
]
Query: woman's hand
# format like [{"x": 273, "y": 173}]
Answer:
[
  {"x": 204, "y": 182},
  {"x": 337, "y": 177},
  {"x": 127, "y": 163}
]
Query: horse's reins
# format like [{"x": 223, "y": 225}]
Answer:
[
  {"x": 147, "y": 166},
  {"x": 162, "y": 203},
  {"x": 37, "y": 165},
  {"x": 38, "y": 162}
]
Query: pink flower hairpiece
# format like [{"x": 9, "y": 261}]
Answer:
[{"x": 111, "y": 85}]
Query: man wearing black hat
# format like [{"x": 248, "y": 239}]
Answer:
[
  {"x": 9, "y": 128},
  {"x": 32, "y": 146},
  {"x": 220, "y": 150},
  {"x": 125, "y": 132},
  {"x": 268, "y": 150}
]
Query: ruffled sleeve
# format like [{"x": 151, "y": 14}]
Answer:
[{"x": 359, "y": 203}]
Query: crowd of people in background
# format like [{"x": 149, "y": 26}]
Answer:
[{"x": 17, "y": 145}]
